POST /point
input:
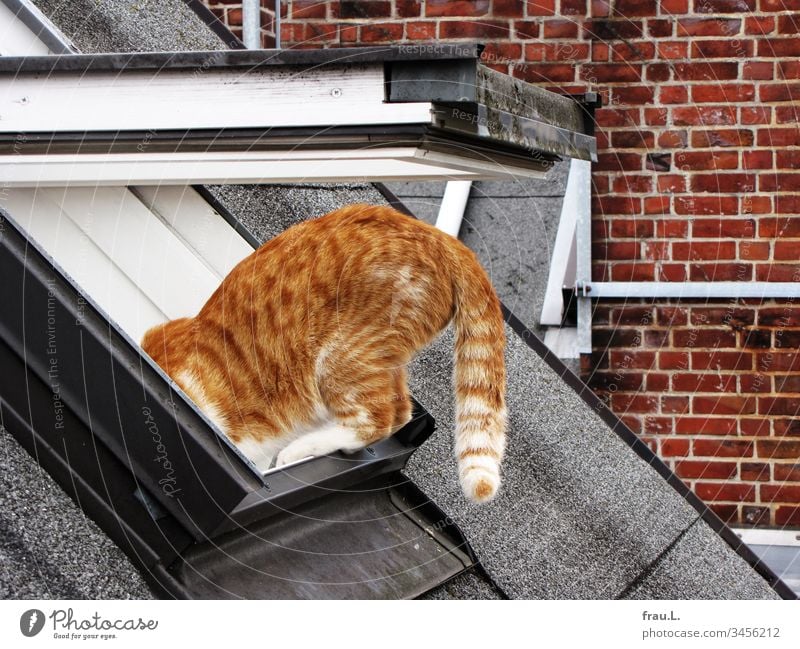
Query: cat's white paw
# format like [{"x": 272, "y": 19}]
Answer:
[{"x": 289, "y": 455}]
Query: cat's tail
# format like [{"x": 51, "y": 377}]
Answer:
[{"x": 480, "y": 435}]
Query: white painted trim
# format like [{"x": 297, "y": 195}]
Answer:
[
  {"x": 686, "y": 290},
  {"x": 259, "y": 167},
  {"x": 562, "y": 265},
  {"x": 756, "y": 536},
  {"x": 142, "y": 263},
  {"x": 562, "y": 341},
  {"x": 454, "y": 203},
  {"x": 203, "y": 98},
  {"x": 16, "y": 38}
]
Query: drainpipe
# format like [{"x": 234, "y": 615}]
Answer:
[
  {"x": 251, "y": 24},
  {"x": 277, "y": 24},
  {"x": 454, "y": 202}
]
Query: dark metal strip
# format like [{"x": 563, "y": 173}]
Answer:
[
  {"x": 217, "y": 59},
  {"x": 215, "y": 24},
  {"x": 43, "y": 29}
]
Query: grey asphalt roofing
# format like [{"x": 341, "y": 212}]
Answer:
[
  {"x": 96, "y": 26},
  {"x": 580, "y": 515},
  {"x": 511, "y": 226}
]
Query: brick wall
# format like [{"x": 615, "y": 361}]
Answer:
[
  {"x": 230, "y": 13},
  {"x": 698, "y": 179}
]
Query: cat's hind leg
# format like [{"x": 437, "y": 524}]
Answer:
[{"x": 363, "y": 410}]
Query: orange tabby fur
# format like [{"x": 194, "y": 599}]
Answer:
[{"x": 303, "y": 347}]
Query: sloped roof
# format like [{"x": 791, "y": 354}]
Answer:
[{"x": 580, "y": 514}]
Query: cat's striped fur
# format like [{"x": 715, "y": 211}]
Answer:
[{"x": 303, "y": 348}]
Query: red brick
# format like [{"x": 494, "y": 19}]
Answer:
[
  {"x": 672, "y": 447},
  {"x": 779, "y": 406},
  {"x": 618, "y": 162},
  {"x": 654, "y": 250},
  {"x": 758, "y": 70},
  {"x": 778, "y": 273},
  {"x": 778, "y": 137},
  {"x": 615, "y": 250},
  {"x": 787, "y": 516},
  {"x": 673, "y": 360},
  {"x": 634, "y": 403},
  {"x": 635, "y": 8},
  {"x": 611, "y": 30},
  {"x": 759, "y": 25},
  {"x": 633, "y": 184},
  {"x": 672, "y": 50},
  {"x": 633, "y": 272},
  {"x": 780, "y": 493},
  {"x": 707, "y": 160},
  {"x": 789, "y": 69},
  {"x": 606, "y": 117},
  {"x": 705, "y": 71},
  {"x": 716, "y": 228},
  {"x": 573, "y": 7},
  {"x": 671, "y": 183},
  {"x": 419, "y": 31},
  {"x": 617, "y": 338},
  {"x": 727, "y": 513},
  {"x": 725, "y": 491},
  {"x": 758, "y": 159},
  {"x": 704, "y": 115},
  {"x": 526, "y": 29},
  {"x": 320, "y": 32},
  {"x": 703, "y": 250},
  {"x": 674, "y": 7},
  {"x": 708, "y": 27},
  {"x": 789, "y": 472},
  {"x": 629, "y": 359},
  {"x": 631, "y": 228},
  {"x": 659, "y": 28},
  {"x": 722, "y": 448},
  {"x": 787, "y": 427},
  {"x": 787, "y": 114},
  {"x": 657, "y": 383},
  {"x": 614, "y": 381},
  {"x": 707, "y": 470},
  {"x": 691, "y": 382},
  {"x": 541, "y": 7},
  {"x": 783, "y": 449},
  {"x": 309, "y": 9},
  {"x": 779, "y": 47},
  {"x": 720, "y": 272},
  {"x": 671, "y": 316},
  {"x": 705, "y": 426},
  {"x": 754, "y": 427},
  {"x": 783, "y": 182},
  {"x": 464, "y": 29},
  {"x": 753, "y": 251},
  {"x": 724, "y": 6},
  {"x": 547, "y": 73},
  {"x": 408, "y": 8},
  {"x": 723, "y": 183},
  {"x": 657, "y": 204},
  {"x": 780, "y": 92},
  {"x": 659, "y": 72},
  {"x": 787, "y": 159},
  {"x": 457, "y": 7},
  {"x": 754, "y": 472},
  {"x": 610, "y": 72},
  {"x": 566, "y": 51},
  {"x": 775, "y": 362},
  {"x": 756, "y": 115},
  {"x": 560, "y": 29},
  {"x": 383, "y": 32},
  {"x": 779, "y": 227},
  {"x": 633, "y": 51},
  {"x": 724, "y": 405},
  {"x": 706, "y": 205},
  {"x": 722, "y": 360},
  {"x": 671, "y": 228},
  {"x": 674, "y": 405},
  {"x": 787, "y": 204},
  {"x": 756, "y": 205},
  {"x": 730, "y": 92},
  {"x": 508, "y": 8},
  {"x": 635, "y": 95},
  {"x": 722, "y": 49}
]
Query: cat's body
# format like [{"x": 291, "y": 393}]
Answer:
[{"x": 303, "y": 348}]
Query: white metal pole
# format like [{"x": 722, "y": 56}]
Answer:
[
  {"x": 251, "y": 24},
  {"x": 454, "y": 202}
]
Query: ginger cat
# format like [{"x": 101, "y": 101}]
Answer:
[{"x": 302, "y": 350}]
